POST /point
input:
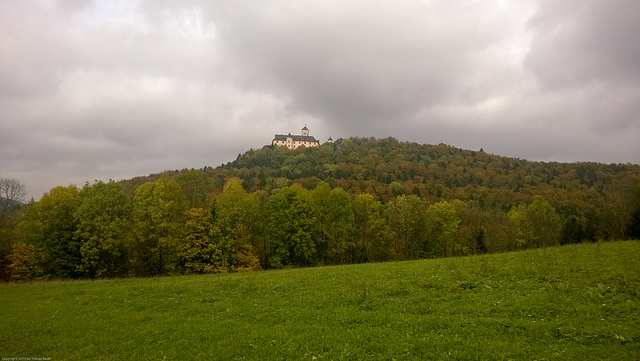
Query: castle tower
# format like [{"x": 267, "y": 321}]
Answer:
[{"x": 305, "y": 131}]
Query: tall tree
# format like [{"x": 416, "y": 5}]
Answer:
[
  {"x": 158, "y": 214},
  {"x": 334, "y": 220},
  {"x": 442, "y": 229},
  {"x": 622, "y": 202},
  {"x": 473, "y": 232},
  {"x": 371, "y": 241},
  {"x": 50, "y": 226},
  {"x": 545, "y": 222},
  {"x": 237, "y": 214},
  {"x": 573, "y": 230},
  {"x": 341, "y": 230},
  {"x": 21, "y": 262},
  {"x": 406, "y": 220},
  {"x": 199, "y": 252},
  {"x": 12, "y": 194},
  {"x": 290, "y": 225},
  {"x": 536, "y": 225},
  {"x": 103, "y": 219},
  {"x": 321, "y": 198},
  {"x": 522, "y": 227}
]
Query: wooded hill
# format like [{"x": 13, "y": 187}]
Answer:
[
  {"x": 352, "y": 201},
  {"x": 604, "y": 197}
]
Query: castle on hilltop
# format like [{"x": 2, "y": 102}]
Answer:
[{"x": 297, "y": 141}]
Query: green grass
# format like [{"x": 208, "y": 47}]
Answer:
[{"x": 571, "y": 303}]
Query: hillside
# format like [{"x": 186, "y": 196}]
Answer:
[
  {"x": 598, "y": 194},
  {"x": 578, "y": 302},
  {"x": 355, "y": 200}
]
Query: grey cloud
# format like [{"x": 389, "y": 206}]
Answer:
[
  {"x": 576, "y": 42},
  {"x": 365, "y": 61},
  {"x": 97, "y": 90}
]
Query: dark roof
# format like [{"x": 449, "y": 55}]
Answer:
[
  {"x": 296, "y": 138},
  {"x": 305, "y": 128}
]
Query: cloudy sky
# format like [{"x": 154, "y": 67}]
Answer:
[{"x": 113, "y": 89}]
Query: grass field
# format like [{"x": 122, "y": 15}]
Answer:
[{"x": 578, "y": 302}]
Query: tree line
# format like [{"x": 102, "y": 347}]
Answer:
[
  {"x": 603, "y": 198},
  {"x": 339, "y": 207},
  {"x": 99, "y": 231}
]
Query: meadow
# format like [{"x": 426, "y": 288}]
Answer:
[{"x": 577, "y": 302}]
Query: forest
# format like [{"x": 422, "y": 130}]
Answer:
[{"x": 355, "y": 200}]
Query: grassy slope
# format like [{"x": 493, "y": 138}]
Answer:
[{"x": 574, "y": 302}]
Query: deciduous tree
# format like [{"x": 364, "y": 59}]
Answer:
[
  {"x": 237, "y": 214},
  {"x": 21, "y": 261},
  {"x": 442, "y": 229},
  {"x": 370, "y": 230},
  {"x": 334, "y": 220},
  {"x": 50, "y": 226},
  {"x": 407, "y": 222},
  {"x": 194, "y": 185},
  {"x": 290, "y": 225},
  {"x": 103, "y": 219},
  {"x": 199, "y": 252},
  {"x": 545, "y": 222},
  {"x": 12, "y": 194},
  {"x": 522, "y": 228},
  {"x": 158, "y": 214}
]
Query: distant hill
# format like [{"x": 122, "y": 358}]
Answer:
[
  {"x": 351, "y": 201},
  {"x": 387, "y": 168},
  {"x": 378, "y": 166}
]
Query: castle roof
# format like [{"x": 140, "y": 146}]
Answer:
[{"x": 295, "y": 138}]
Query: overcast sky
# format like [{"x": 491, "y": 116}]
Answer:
[{"x": 98, "y": 90}]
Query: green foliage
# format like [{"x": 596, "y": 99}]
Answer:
[
  {"x": 340, "y": 219},
  {"x": 194, "y": 185},
  {"x": 200, "y": 253},
  {"x": 290, "y": 225},
  {"x": 355, "y": 200},
  {"x": 103, "y": 219},
  {"x": 21, "y": 262},
  {"x": 158, "y": 215},
  {"x": 573, "y": 231},
  {"x": 536, "y": 225},
  {"x": 443, "y": 225},
  {"x": 50, "y": 226},
  {"x": 370, "y": 230},
  {"x": 484, "y": 229},
  {"x": 634, "y": 227},
  {"x": 521, "y": 225},
  {"x": 545, "y": 222},
  {"x": 334, "y": 224},
  {"x": 237, "y": 216},
  {"x": 406, "y": 217}
]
